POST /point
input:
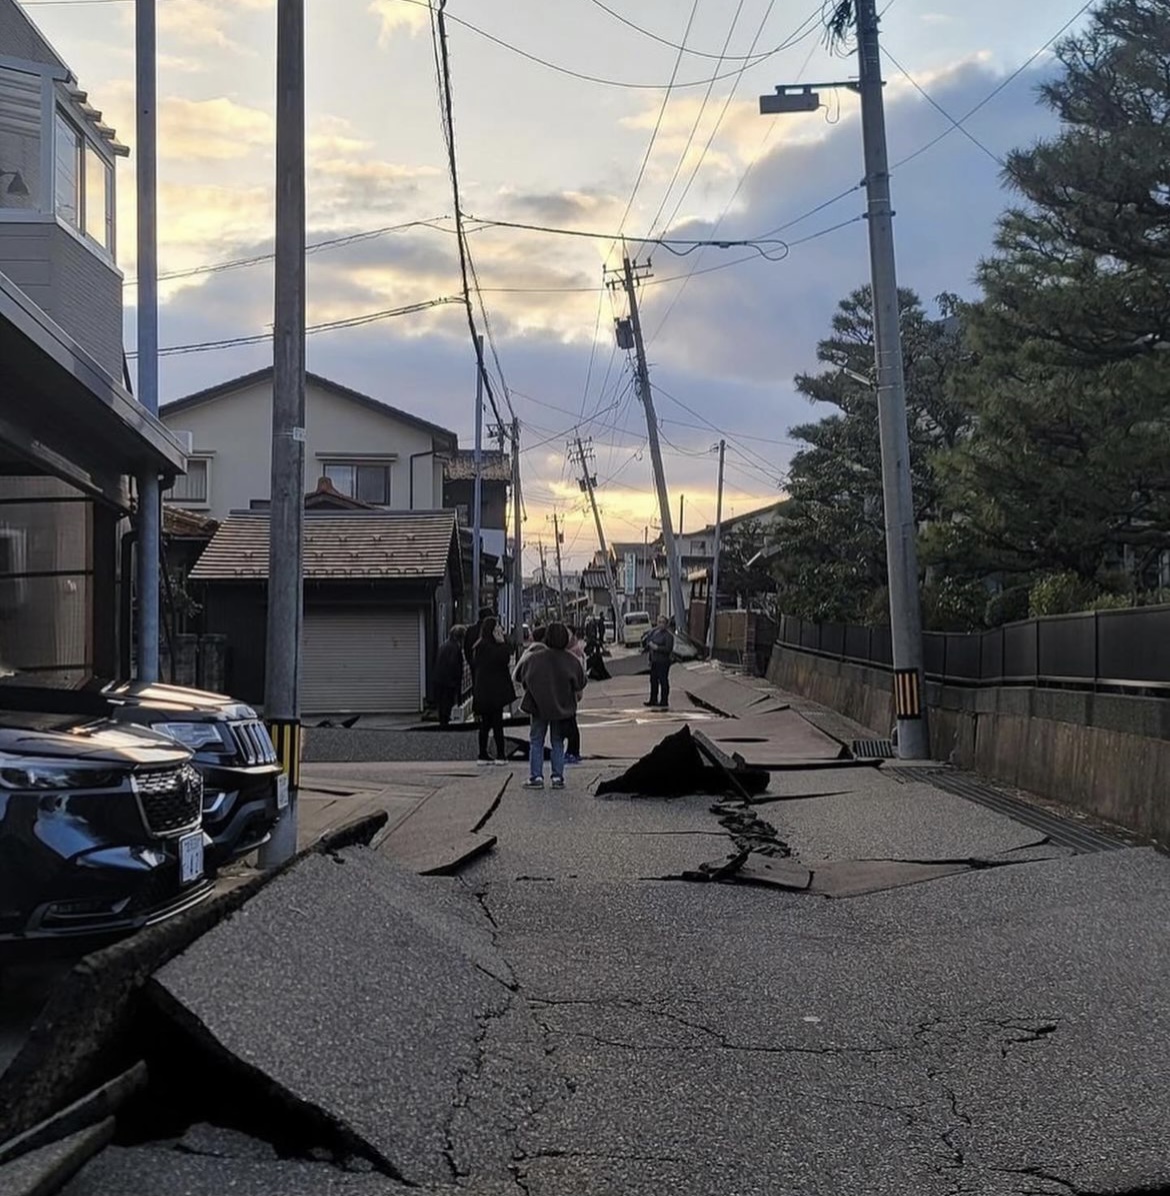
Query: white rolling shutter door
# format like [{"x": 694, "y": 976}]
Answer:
[{"x": 361, "y": 661}]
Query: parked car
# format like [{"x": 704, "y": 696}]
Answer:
[
  {"x": 635, "y": 627},
  {"x": 242, "y": 778},
  {"x": 100, "y": 829}
]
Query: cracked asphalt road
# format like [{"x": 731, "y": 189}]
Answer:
[
  {"x": 1000, "y": 1032},
  {"x": 568, "y": 1026}
]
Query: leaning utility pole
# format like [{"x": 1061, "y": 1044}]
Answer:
[
  {"x": 714, "y": 612},
  {"x": 560, "y": 572},
  {"x": 901, "y": 529},
  {"x": 518, "y": 546},
  {"x": 286, "y": 545},
  {"x": 643, "y": 377},
  {"x": 543, "y": 577},
  {"x": 477, "y": 493},
  {"x": 587, "y": 483},
  {"x": 149, "y": 497}
]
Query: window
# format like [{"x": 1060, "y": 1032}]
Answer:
[
  {"x": 20, "y": 140},
  {"x": 367, "y": 482},
  {"x": 192, "y": 487},
  {"x": 67, "y": 169},
  {"x": 99, "y": 198},
  {"x": 83, "y": 184}
]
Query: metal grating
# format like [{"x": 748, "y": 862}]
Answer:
[
  {"x": 873, "y": 749},
  {"x": 171, "y": 800},
  {"x": 1065, "y": 832}
]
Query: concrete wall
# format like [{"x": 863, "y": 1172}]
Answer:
[
  {"x": 236, "y": 429},
  {"x": 1108, "y": 754}
]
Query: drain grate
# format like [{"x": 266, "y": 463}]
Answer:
[
  {"x": 1065, "y": 832},
  {"x": 873, "y": 749}
]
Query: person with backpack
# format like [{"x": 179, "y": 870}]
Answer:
[
  {"x": 492, "y": 691},
  {"x": 660, "y": 645},
  {"x": 553, "y": 680}
]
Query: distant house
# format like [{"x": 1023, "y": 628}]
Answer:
[
  {"x": 377, "y": 454},
  {"x": 459, "y": 496},
  {"x": 381, "y": 590}
]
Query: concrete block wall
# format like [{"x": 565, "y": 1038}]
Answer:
[{"x": 1107, "y": 754}]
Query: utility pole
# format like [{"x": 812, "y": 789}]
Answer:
[
  {"x": 557, "y": 537},
  {"x": 682, "y": 506},
  {"x": 518, "y": 546},
  {"x": 643, "y": 376},
  {"x": 901, "y": 529},
  {"x": 477, "y": 497},
  {"x": 645, "y": 564},
  {"x": 149, "y": 496},
  {"x": 286, "y": 529},
  {"x": 543, "y": 577},
  {"x": 718, "y": 548},
  {"x": 587, "y": 484}
]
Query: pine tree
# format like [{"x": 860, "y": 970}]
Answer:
[
  {"x": 1068, "y": 464},
  {"x": 831, "y": 555}
]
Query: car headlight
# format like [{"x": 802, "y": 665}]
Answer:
[
  {"x": 192, "y": 735},
  {"x": 45, "y": 775}
]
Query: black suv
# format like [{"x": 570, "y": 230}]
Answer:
[
  {"x": 242, "y": 779},
  {"x": 99, "y": 829}
]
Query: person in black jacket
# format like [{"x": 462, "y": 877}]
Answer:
[
  {"x": 492, "y": 691},
  {"x": 471, "y": 638},
  {"x": 449, "y": 674}
]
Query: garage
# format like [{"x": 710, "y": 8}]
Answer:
[
  {"x": 380, "y": 587},
  {"x": 362, "y": 661}
]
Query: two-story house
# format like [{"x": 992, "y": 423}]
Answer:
[
  {"x": 385, "y": 574},
  {"x": 71, "y": 435}
]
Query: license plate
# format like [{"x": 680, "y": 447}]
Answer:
[
  {"x": 190, "y": 857},
  {"x": 282, "y": 791}
]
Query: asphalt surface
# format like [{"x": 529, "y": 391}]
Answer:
[{"x": 561, "y": 1021}]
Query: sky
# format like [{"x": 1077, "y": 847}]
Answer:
[{"x": 727, "y": 329}]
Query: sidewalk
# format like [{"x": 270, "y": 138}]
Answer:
[{"x": 570, "y": 1016}]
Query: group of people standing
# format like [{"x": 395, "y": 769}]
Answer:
[{"x": 551, "y": 671}]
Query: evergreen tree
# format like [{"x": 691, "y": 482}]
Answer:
[
  {"x": 830, "y": 541},
  {"x": 1068, "y": 463}
]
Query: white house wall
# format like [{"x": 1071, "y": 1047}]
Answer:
[{"x": 236, "y": 429}]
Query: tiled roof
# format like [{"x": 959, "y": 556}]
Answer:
[
  {"x": 348, "y": 545},
  {"x": 187, "y": 524},
  {"x": 460, "y": 466},
  {"x": 594, "y": 579}
]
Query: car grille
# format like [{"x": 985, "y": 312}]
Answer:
[
  {"x": 171, "y": 800},
  {"x": 254, "y": 742}
]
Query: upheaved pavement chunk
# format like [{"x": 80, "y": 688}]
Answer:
[{"x": 358, "y": 992}]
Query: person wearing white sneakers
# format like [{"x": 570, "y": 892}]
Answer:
[{"x": 553, "y": 679}]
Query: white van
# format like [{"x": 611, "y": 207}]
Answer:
[{"x": 634, "y": 627}]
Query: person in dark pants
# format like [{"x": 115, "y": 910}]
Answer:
[
  {"x": 492, "y": 691},
  {"x": 449, "y": 674},
  {"x": 660, "y": 644},
  {"x": 570, "y": 726},
  {"x": 553, "y": 679}
]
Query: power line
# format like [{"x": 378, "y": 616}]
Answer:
[
  {"x": 699, "y": 115},
  {"x": 658, "y": 123},
  {"x": 439, "y": 41},
  {"x": 939, "y": 108},
  {"x": 328, "y": 326},
  {"x": 1003, "y": 84},
  {"x": 723, "y": 56},
  {"x": 310, "y": 248}
]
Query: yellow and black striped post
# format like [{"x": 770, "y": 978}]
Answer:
[
  {"x": 286, "y": 738},
  {"x": 907, "y": 694}
]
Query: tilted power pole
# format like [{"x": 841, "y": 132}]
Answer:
[
  {"x": 477, "y": 493},
  {"x": 588, "y": 481},
  {"x": 897, "y": 496},
  {"x": 643, "y": 378},
  {"x": 518, "y": 545},
  {"x": 286, "y": 520},
  {"x": 560, "y": 570},
  {"x": 714, "y": 604}
]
